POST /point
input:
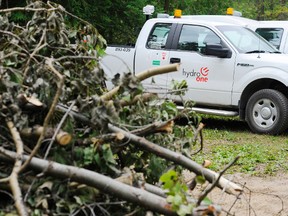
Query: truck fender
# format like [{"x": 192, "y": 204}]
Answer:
[
  {"x": 256, "y": 80},
  {"x": 272, "y": 73}
]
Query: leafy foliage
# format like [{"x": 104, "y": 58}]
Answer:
[
  {"x": 176, "y": 193},
  {"x": 35, "y": 54}
]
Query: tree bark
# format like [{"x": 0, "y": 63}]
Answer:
[
  {"x": 13, "y": 178},
  {"x": 166, "y": 6},
  {"x": 180, "y": 159},
  {"x": 144, "y": 75},
  {"x": 177, "y": 158},
  {"x": 101, "y": 182},
  {"x": 62, "y": 137}
]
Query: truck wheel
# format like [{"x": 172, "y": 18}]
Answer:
[{"x": 267, "y": 112}]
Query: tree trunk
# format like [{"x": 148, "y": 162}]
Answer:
[{"x": 166, "y": 6}]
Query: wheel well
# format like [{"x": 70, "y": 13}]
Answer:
[{"x": 256, "y": 86}]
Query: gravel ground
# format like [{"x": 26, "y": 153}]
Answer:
[{"x": 262, "y": 196}]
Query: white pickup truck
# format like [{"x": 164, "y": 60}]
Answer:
[
  {"x": 274, "y": 31},
  {"x": 229, "y": 70}
]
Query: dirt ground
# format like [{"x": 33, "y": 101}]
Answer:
[{"x": 263, "y": 196}]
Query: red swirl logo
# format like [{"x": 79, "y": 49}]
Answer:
[{"x": 204, "y": 71}]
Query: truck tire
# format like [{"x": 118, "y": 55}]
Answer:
[{"x": 267, "y": 112}]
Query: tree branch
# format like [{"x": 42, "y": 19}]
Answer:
[
  {"x": 62, "y": 137},
  {"x": 208, "y": 190},
  {"x": 142, "y": 98},
  {"x": 180, "y": 159},
  {"x": 60, "y": 84},
  {"x": 199, "y": 131},
  {"x": 13, "y": 178},
  {"x": 155, "y": 128},
  {"x": 177, "y": 158},
  {"x": 93, "y": 179},
  {"x": 144, "y": 75}
]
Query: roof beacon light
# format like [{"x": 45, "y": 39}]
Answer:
[
  {"x": 232, "y": 12},
  {"x": 177, "y": 13},
  {"x": 148, "y": 10}
]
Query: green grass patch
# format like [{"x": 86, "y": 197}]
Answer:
[{"x": 224, "y": 139}]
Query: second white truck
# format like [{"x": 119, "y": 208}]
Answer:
[
  {"x": 274, "y": 31},
  {"x": 229, "y": 69}
]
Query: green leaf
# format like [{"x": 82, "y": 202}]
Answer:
[
  {"x": 15, "y": 77},
  {"x": 98, "y": 159},
  {"x": 177, "y": 200},
  {"x": 165, "y": 114},
  {"x": 169, "y": 179},
  {"x": 78, "y": 200},
  {"x": 166, "y": 176},
  {"x": 72, "y": 33},
  {"x": 67, "y": 73},
  {"x": 170, "y": 198},
  {"x": 185, "y": 210},
  {"x": 189, "y": 134},
  {"x": 206, "y": 201},
  {"x": 156, "y": 166},
  {"x": 101, "y": 52},
  {"x": 88, "y": 155},
  {"x": 200, "y": 179},
  {"x": 108, "y": 155}
]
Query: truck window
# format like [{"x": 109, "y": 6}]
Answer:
[
  {"x": 195, "y": 38},
  {"x": 158, "y": 36},
  {"x": 246, "y": 40},
  {"x": 273, "y": 35}
]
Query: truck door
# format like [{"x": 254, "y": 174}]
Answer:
[
  {"x": 209, "y": 78},
  {"x": 154, "y": 52}
]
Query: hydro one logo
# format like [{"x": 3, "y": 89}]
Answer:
[{"x": 200, "y": 76}]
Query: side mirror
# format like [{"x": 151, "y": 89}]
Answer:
[{"x": 217, "y": 50}]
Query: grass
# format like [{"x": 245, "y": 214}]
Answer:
[{"x": 225, "y": 138}]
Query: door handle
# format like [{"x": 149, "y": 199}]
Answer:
[{"x": 175, "y": 60}]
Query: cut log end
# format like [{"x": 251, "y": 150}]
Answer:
[
  {"x": 168, "y": 127},
  {"x": 63, "y": 138},
  {"x": 119, "y": 136}
]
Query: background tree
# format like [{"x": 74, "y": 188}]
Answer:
[{"x": 120, "y": 21}]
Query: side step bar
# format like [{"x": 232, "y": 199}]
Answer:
[{"x": 227, "y": 113}]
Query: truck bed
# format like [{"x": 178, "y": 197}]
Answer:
[{"x": 118, "y": 59}]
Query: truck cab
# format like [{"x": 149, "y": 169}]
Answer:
[{"x": 228, "y": 68}]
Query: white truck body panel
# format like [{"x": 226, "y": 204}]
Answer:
[
  {"x": 224, "y": 64},
  {"x": 217, "y": 88},
  {"x": 118, "y": 60},
  {"x": 214, "y": 88},
  {"x": 207, "y": 81}
]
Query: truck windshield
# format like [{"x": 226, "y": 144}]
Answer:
[
  {"x": 273, "y": 35},
  {"x": 245, "y": 40}
]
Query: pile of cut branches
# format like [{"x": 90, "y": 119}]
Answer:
[{"x": 69, "y": 146}]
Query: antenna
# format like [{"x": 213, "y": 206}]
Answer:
[
  {"x": 258, "y": 44},
  {"x": 258, "y": 47}
]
